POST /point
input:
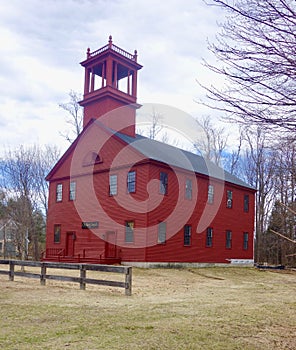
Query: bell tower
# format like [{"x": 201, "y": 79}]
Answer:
[{"x": 111, "y": 82}]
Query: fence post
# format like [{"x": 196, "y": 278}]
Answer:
[
  {"x": 43, "y": 274},
  {"x": 82, "y": 277},
  {"x": 128, "y": 281},
  {"x": 11, "y": 271}
]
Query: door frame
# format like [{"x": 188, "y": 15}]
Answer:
[
  {"x": 70, "y": 243},
  {"x": 110, "y": 244}
]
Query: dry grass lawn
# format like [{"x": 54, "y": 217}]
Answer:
[{"x": 208, "y": 309}]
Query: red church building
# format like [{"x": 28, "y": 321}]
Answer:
[{"x": 119, "y": 197}]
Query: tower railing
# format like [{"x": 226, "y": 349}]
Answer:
[{"x": 114, "y": 48}]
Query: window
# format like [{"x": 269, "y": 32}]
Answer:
[
  {"x": 229, "y": 199},
  {"x": 246, "y": 203},
  {"x": 246, "y": 240},
  {"x": 96, "y": 158},
  {"x": 113, "y": 185},
  {"x": 131, "y": 181},
  {"x": 209, "y": 239},
  {"x": 162, "y": 232},
  {"x": 188, "y": 189},
  {"x": 59, "y": 192},
  {"x": 163, "y": 183},
  {"x": 228, "y": 239},
  {"x": 129, "y": 231},
  {"x": 91, "y": 158},
  {"x": 57, "y": 234},
  {"x": 187, "y": 235},
  {"x": 72, "y": 191},
  {"x": 210, "y": 194}
]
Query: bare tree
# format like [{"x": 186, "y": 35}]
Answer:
[
  {"x": 256, "y": 49},
  {"x": 259, "y": 167},
  {"x": 214, "y": 142},
  {"x": 235, "y": 157},
  {"x": 19, "y": 182},
  {"x": 157, "y": 130},
  {"x": 45, "y": 158},
  {"x": 18, "y": 173},
  {"x": 283, "y": 215},
  {"x": 155, "y": 125},
  {"x": 23, "y": 181},
  {"x": 19, "y": 211},
  {"x": 2, "y": 205},
  {"x": 74, "y": 118},
  {"x": 281, "y": 235}
]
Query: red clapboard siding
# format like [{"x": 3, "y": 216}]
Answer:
[
  {"x": 100, "y": 151},
  {"x": 173, "y": 250}
]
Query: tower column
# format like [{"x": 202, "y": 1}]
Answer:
[
  {"x": 109, "y": 64},
  {"x": 128, "y": 82},
  {"x": 92, "y": 87},
  {"x": 115, "y": 75},
  {"x": 86, "y": 81},
  {"x": 103, "y": 74},
  {"x": 134, "y": 83}
]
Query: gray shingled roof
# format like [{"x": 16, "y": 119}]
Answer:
[{"x": 177, "y": 157}]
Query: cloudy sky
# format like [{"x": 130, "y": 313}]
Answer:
[{"x": 43, "y": 41}]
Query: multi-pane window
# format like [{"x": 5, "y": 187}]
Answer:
[
  {"x": 209, "y": 237},
  {"x": 188, "y": 189},
  {"x": 161, "y": 232},
  {"x": 229, "y": 199},
  {"x": 72, "y": 191},
  {"x": 210, "y": 194},
  {"x": 131, "y": 181},
  {"x": 129, "y": 231},
  {"x": 163, "y": 183},
  {"x": 246, "y": 241},
  {"x": 57, "y": 234},
  {"x": 187, "y": 235},
  {"x": 228, "y": 239},
  {"x": 246, "y": 203},
  {"x": 113, "y": 185},
  {"x": 59, "y": 192}
]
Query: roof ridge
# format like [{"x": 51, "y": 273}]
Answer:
[{"x": 155, "y": 150}]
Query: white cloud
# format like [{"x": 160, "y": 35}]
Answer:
[{"x": 42, "y": 43}]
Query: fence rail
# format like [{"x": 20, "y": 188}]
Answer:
[{"x": 82, "y": 279}]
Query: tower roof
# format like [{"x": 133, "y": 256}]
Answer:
[{"x": 113, "y": 49}]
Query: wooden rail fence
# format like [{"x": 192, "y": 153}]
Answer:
[{"x": 82, "y": 279}]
